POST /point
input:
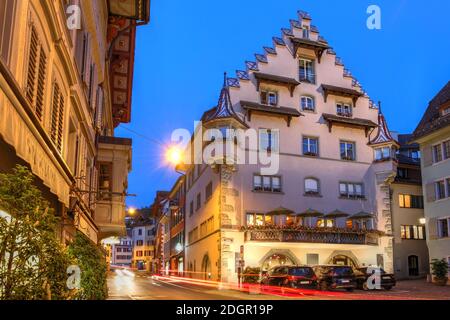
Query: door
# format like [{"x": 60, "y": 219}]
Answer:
[{"x": 413, "y": 266}]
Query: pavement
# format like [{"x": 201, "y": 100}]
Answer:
[{"x": 129, "y": 285}]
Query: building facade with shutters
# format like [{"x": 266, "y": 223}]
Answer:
[
  {"x": 433, "y": 135},
  {"x": 329, "y": 202},
  {"x": 65, "y": 84}
]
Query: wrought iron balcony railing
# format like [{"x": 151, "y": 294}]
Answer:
[{"x": 315, "y": 235}]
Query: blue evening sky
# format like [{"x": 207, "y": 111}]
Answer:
[{"x": 182, "y": 54}]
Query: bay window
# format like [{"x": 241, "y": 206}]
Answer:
[{"x": 383, "y": 153}]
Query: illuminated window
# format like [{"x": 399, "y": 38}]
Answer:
[
  {"x": 410, "y": 201},
  {"x": 412, "y": 232},
  {"x": 322, "y": 223}
]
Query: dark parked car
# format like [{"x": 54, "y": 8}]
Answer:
[
  {"x": 335, "y": 277},
  {"x": 291, "y": 277},
  {"x": 362, "y": 275}
]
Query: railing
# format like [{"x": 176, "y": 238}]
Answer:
[{"x": 314, "y": 236}]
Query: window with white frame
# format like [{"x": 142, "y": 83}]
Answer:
[
  {"x": 351, "y": 190},
  {"x": 310, "y": 146},
  {"x": 383, "y": 153},
  {"x": 311, "y": 186},
  {"x": 269, "y": 98},
  {"x": 443, "y": 227},
  {"x": 307, "y": 71},
  {"x": 267, "y": 183},
  {"x": 344, "y": 110},
  {"x": 308, "y": 103},
  {"x": 348, "y": 150},
  {"x": 269, "y": 140}
]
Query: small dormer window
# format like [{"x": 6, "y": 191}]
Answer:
[
  {"x": 269, "y": 98},
  {"x": 305, "y": 30},
  {"x": 344, "y": 110}
]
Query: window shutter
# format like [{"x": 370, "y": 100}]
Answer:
[
  {"x": 36, "y": 74},
  {"x": 263, "y": 97},
  {"x": 32, "y": 65},
  {"x": 57, "y": 120},
  {"x": 41, "y": 84},
  {"x": 432, "y": 229},
  {"x": 427, "y": 156},
  {"x": 430, "y": 192}
]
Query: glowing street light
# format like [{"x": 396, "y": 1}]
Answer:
[
  {"x": 174, "y": 155},
  {"x": 423, "y": 221},
  {"x": 131, "y": 211}
]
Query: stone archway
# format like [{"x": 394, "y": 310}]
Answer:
[
  {"x": 286, "y": 254},
  {"x": 343, "y": 255}
]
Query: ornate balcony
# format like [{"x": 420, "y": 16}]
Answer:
[{"x": 314, "y": 235}]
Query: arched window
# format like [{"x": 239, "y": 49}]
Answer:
[
  {"x": 312, "y": 186},
  {"x": 308, "y": 103}
]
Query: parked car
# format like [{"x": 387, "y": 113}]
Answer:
[
  {"x": 290, "y": 277},
  {"x": 387, "y": 281},
  {"x": 335, "y": 277}
]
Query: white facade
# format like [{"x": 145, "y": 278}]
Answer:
[{"x": 220, "y": 235}]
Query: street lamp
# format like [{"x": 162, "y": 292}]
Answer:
[
  {"x": 131, "y": 211},
  {"x": 174, "y": 155},
  {"x": 423, "y": 221}
]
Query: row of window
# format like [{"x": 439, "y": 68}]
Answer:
[
  {"x": 261, "y": 219},
  {"x": 140, "y": 243},
  {"x": 145, "y": 253},
  {"x": 123, "y": 257},
  {"x": 412, "y": 232},
  {"x": 206, "y": 228},
  {"x": 124, "y": 250},
  {"x": 198, "y": 202},
  {"x": 273, "y": 184},
  {"x": 307, "y": 103}
]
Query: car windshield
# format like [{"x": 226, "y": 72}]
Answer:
[
  {"x": 300, "y": 272},
  {"x": 342, "y": 271}
]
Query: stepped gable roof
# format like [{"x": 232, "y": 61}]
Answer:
[{"x": 432, "y": 120}]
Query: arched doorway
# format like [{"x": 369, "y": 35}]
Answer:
[
  {"x": 343, "y": 260},
  {"x": 275, "y": 260},
  {"x": 413, "y": 266},
  {"x": 206, "y": 267}
]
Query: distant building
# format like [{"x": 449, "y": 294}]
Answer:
[
  {"x": 177, "y": 199},
  {"x": 143, "y": 240},
  {"x": 161, "y": 214},
  {"x": 433, "y": 135},
  {"x": 410, "y": 248},
  {"x": 122, "y": 253}
]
